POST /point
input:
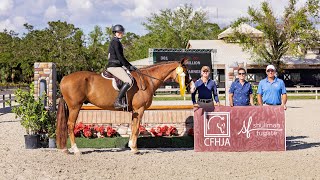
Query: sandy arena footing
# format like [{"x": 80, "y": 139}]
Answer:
[{"x": 300, "y": 161}]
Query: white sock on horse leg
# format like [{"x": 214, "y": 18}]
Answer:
[
  {"x": 130, "y": 143},
  {"x": 75, "y": 148}
]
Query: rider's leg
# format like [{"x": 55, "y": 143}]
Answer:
[
  {"x": 120, "y": 73},
  {"x": 118, "y": 103}
]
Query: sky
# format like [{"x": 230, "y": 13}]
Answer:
[{"x": 85, "y": 14}]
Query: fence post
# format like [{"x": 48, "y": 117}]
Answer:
[
  {"x": 10, "y": 99},
  {"x": 4, "y": 102}
]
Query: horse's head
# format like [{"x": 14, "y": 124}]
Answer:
[{"x": 181, "y": 72}]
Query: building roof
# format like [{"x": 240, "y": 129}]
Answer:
[
  {"x": 142, "y": 62},
  {"x": 242, "y": 28},
  {"x": 310, "y": 58},
  {"x": 227, "y": 53},
  {"x": 230, "y": 53}
]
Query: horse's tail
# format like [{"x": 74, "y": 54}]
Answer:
[{"x": 62, "y": 127}]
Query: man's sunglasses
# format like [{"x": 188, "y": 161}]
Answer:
[
  {"x": 242, "y": 73},
  {"x": 270, "y": 70}
]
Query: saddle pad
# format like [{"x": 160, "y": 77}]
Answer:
[{"x": 116, "y": 82}]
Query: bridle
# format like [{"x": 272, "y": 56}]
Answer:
[
  {"x": 140, "y": 73},
  {"x": 189, "y": 80},
  {"x": 143, "y": 85},
  {"x": 151, "y": 77}
]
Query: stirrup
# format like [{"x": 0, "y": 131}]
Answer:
[{"x": 118, "y": 105}]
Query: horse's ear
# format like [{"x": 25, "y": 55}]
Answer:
[{"x": 184, "y": 60}]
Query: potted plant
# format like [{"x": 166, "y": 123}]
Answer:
[
  {"x": 51, "y": 128},
  {"x": 33, "y": 115}
]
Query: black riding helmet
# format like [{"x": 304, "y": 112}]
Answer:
[{"x": 117, "y": 28}]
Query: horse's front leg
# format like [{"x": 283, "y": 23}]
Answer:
[{"x": 136, "y": 119}]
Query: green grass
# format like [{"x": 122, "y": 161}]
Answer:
[
  {"x": 175, "y": 98},
  {"x": 301, "y": 97},
  {"x": 143, "y": 142},
  {"x": 188, "y": 98}
]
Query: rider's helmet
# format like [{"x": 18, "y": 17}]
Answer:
[{"x": 117, "y": 28}]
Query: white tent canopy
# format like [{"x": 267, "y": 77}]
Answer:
[{"x": 242, "y": 28}]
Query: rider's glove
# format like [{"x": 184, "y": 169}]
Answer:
[{"x": 132, "y": 68}]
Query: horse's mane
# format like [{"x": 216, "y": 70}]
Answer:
[{"x": 158, "y": 64}]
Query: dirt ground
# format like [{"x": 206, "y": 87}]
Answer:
[{"x": 300, "y": 161}]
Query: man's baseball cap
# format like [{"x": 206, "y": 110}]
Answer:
[{"x": 270, "y": 67}]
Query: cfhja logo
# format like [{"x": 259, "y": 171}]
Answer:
[{"x": 216, "y": 124}]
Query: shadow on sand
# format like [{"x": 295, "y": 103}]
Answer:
[
  {"x": 104, "y": 150},
  {"x": 295, "y": 143}
]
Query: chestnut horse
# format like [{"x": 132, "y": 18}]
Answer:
[{"x": 82, "y": 86}]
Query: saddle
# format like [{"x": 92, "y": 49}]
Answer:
[{"x": 116, "y": 82}]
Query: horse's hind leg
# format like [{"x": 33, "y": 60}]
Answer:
[
  {"x": 73, "y": 115},
  {"x": 136, "y": 119}
]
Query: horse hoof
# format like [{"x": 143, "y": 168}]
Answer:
[
  {"x": 65, "y": 151},
  {"x": 135, "y": 151}
]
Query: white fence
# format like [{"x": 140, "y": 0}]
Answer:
[{"x": 291, "y": 91}]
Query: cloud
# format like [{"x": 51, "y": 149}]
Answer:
[
  {"x": 15, "y": 24},
  {"x": 5, "y": 7},
  {"x": 79, "y": 11},
  {"x": 53, "y": 13},
  {"x": 86, "y": 14},
  {"x": 141, "y": 8},
  {"x": 78, "y": 6}
]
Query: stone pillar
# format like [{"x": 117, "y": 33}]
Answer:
[{"x": 46, "y": 72}]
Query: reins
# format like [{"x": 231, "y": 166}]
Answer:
[
  {"x": 139, "y": 72},
  {"x": 151, "y": 77}
]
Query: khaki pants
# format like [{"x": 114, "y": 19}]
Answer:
[
  {"x": 206, "y": 106},
  {"x": 120, "y": 73}
]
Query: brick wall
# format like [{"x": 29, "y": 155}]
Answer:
[
  {"x": 46, "y": 71},
  {"x": 121, "y": 121}
]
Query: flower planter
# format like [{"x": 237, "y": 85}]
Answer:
[
  {"x": 143, "y": 142},
  {"x": 52, "y": 143},
  {"x": 32, "y": 141}
]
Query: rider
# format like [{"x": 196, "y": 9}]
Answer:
[{"x": 117, "y": 62}]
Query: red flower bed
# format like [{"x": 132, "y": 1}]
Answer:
[
  {"x": 90, "y": 131},
  {"x": 164, "y": 131}
]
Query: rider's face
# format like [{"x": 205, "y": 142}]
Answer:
[{"x": 119, "y": 35}]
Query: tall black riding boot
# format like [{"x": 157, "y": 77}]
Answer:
[{"x": 118, "y": 104}]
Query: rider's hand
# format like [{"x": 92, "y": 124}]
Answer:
[{"x": 132, "y": 68}]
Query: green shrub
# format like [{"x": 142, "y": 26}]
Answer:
[
  {"x": 31, "y": 111},
  {"x": 255, "y": 98}
]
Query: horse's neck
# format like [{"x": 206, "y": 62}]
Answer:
[{"x": 160, "y": 72}]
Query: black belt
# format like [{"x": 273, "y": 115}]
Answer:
[
  {"x": 272, "y": 104},
  {"x": 205, "y": 100}
]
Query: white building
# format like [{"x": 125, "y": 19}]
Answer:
[{"x": 297, "y": 71}]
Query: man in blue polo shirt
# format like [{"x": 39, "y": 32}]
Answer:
[
  {"x": 240, "y": 92},
  {"x": 272, "y": 90},
  {"x": 205, "y": 88}
]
